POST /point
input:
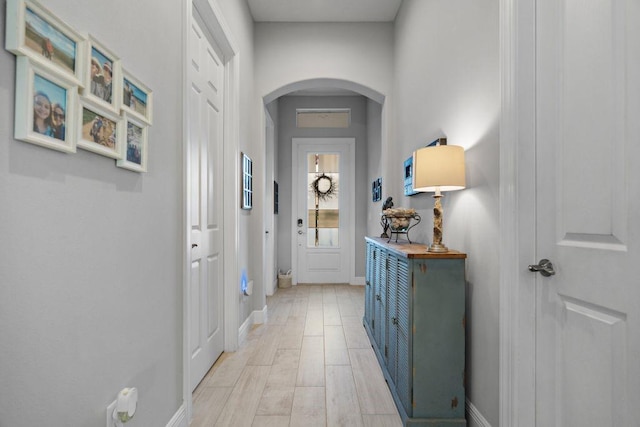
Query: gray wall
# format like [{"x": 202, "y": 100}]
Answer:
[
  {"x": 287, "y": 130},
  {"x": 374, "y": 166},
  {"x": 90, "y": 254},
  {"x": 447, "y": 84},
  {"x": 249, "y": 223}
]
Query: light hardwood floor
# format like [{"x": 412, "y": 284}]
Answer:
[{"x": 310, "y": 364}]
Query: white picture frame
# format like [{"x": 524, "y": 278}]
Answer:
[
  {"x": 35, "y": 32},
  {"x": 99, "y": 129},
  {"x": 246, "y": 179},
  {"x": 98, "y": 60},
  {"x": 36, "y": 87},
  {"x": 136, "y": 98},
  {"x": 134, "y": 152}
]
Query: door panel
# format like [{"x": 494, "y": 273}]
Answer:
[
  {"x": 587, "y": 313},
  {"x": 205, "y": 193},
  {"x": 323, "y": 176}
]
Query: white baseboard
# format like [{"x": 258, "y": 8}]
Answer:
[
  {"x": 179, "y": 418},
  {"x": 256, "y": 317},
  {"x": 475, "y": 418},
  {"x": 244, "y": 330},
  {"x": 260, "y": 316},
  {"x": 271, "y": 292},
  {"x": 358, "y": 281}
]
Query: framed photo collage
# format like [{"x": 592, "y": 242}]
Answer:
[{"x": 72, "y": 91}]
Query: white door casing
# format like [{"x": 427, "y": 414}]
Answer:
[
  {"x": 205, "y": 112},
  {"x": 570, "y": 92},
  {"x": 323, "y": 264},
  {"x": 269, "y": 248}
]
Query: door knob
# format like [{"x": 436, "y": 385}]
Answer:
[
  {"x": 544, "y": 267},
  {"x": 300, "y": 232}
]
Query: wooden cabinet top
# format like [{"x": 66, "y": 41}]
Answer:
[{"x": 414, "y": 250}]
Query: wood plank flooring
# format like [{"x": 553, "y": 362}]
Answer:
[{"x": 311, "y": 364}]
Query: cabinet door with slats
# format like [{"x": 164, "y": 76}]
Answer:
[
  {"x": 391, "y": 351},
  {"x": 380, "y": 298},
  {"x": 403, "y": 327},
  {"x": 369, "y": 283}
]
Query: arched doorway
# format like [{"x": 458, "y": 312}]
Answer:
[{"x": 370, "y": 120}]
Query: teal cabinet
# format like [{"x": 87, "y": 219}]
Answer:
[{"x": 415, "y": 319}]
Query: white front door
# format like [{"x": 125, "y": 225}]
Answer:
[
  {"x": 323, "y": 207},
  {"x": 205, "y": 104},
  {"x": 588, "y": 213}
]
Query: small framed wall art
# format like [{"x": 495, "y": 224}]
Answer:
[
  {"x": 134, "y": 148},
  {"x": 46, "y": 106},
  {"x": 247, "y": 181},
  {"x": 100, "y": 130},
  {"x": 136, "y": 98},
  {"x": 35, "y": 32},
  {"x": 102, "y": 76},
  {"x": 376, "y": 190}
]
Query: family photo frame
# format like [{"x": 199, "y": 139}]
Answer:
[
  {"x": 99, "y": 129},
  {"x": 45, "y": 107},
  {"x": 72, "y": 91},
  {"x": 102, "y": 75},
  {"x": 34, "y": 32},
  {"x": 134, "y": 148},
  {"x": 136, "y": 98}
]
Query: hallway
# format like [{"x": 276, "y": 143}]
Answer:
[{"x": 310, "y": 364}]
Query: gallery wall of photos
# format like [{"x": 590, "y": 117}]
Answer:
[{"x": 73, "y": 92}]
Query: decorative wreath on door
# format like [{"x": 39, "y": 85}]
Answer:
[{"x": 324, "y": 187}]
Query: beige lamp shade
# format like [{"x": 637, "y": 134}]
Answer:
[{"x": 439, "y": 167}]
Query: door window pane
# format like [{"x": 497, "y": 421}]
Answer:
[{"x": 323, "y": 201}]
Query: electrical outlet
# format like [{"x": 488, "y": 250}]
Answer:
[{"x": 110, "y": 409}]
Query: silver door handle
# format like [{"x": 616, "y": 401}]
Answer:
[
  {"x": 544, "y": 267},
  {"x": 300, "y": 232}
]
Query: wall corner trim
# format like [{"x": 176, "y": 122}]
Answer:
[
  {"x": 256, "y": 317},
  {"x": 179, "y": 419},
  {"x": 475, "y": 418}
]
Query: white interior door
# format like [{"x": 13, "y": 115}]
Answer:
[
  {"x": 323, "y": 207},
  {"x": 205, "y": 105},
  {"x": 587, "y": 138}
]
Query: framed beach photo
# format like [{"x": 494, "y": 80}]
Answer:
[
  {"x": 134, "y": 149},
  {"x": 102, "y": 75},
  {"x": 46, "y": 105},
  {"x": 135, "y": 98},
  {"x": 99, "y": 129},
  {"x": 33, "y": 31}
]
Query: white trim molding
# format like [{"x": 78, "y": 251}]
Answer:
[
  {"x": 243, "y": 332},
  {"x": 260, "y": 316},
  {"x": 358, "y": 280},
  {"x": 255, "y": 318},
  {"x": 517, "y": 212},
  {"x": 179, "y": 419},
  {"x": 474, "y": 417}
]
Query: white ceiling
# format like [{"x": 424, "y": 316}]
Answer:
[{"x": 324, "y": 10}]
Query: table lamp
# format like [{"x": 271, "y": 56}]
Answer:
[{"x": 436, "y": 169}]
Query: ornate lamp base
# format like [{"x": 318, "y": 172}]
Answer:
[
  {"x": 437, "y": 245},
  {"x": 439, "y": 248}
]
